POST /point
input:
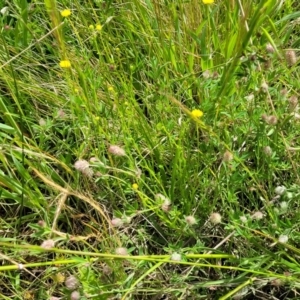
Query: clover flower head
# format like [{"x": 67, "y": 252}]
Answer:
[
  {"x": 71, "y": 283},
  {"x": 176, "y": 256},
  {"x": 190, "y": 220},
  {"x": 215, "y": 218},
  {"x": 116, "y": 150},
  {"x": 121, "y": 251},
  {"x": 48, "y": 244}
]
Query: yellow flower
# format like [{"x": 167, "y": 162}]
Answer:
[
  {"x": 135, "y": 186},
  {"x": 65, "y": 13},
  {"x": 91, "y": 27},
  {"x": 208, "y": 1},
  {"x": 110, "y": 88},
  {"x": 98, "y": 27},
  {"x": 65, "y": 64},
  {"x": 197, "y": 113}
]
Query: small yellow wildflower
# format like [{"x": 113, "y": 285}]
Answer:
[
  {"x": 65, "y": 13},
  {"x": 98, "y": 27},
  {"x": 76, "y": 91},
  {"x": 135, "y": 186},
  {"x": 197, "y": 113},
  {"x": 91, "y": 27},
  {"x": 208, "y": 1},
  {"x": 65, "y": 64},
  {"x": 110, "y": 88}
]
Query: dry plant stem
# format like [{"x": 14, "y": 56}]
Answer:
[
  {"x": 30, "y": 46},
  {"x": 60, "y": 205},
  {"x": 222, "y": 242}
]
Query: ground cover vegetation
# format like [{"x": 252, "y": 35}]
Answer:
[{"x": 149, "y": 149}]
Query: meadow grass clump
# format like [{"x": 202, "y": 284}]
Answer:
[{"x": 149, "y": 150}]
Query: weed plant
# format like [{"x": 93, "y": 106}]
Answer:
[{"x": 149, "y": 149}]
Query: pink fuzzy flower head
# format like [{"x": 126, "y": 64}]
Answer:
[{"x": 116, "y": 150}]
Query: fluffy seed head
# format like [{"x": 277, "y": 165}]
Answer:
[
  {"x": 42, "y": 223},
  {"x": 291, "y": 57},
  {"x": 71, "y": 283},
  {"x": 227, "y": 156},
  {"x": 42, "y": 122},
  {"x": 75, "y": 295},
  {"x": 280, "y": 190},
  {"x": 215, "y": 218},
  {"x": 61, "y": 114},
  {"x": 293, "y": 102},
  {"x": 264, "y": 87},
  {"x": 243, "y": 219},
  {"x": 268, "y": 151},
  {"x": 271, "y": 120},
  {"x": 284, "y": 205},
  {"x": 258, "y": 215},
  {"x": 107, "y": 270},
  {"x": 81, "y": 165},
  {"x": 176, "y": 256},
  {"x": 48, "y": 244},
  {"x": 190, "y": 220},
  {"x": 166, "y": 204},
  {"x": 277, "y": 282},
  {"x": 121, "y": 251},
  {"x": 283, "y": 238},
  {"x": 116, "y": 222},
  {"x": 206, "y": 74},
  {"x": 270, "y": 48},
  {"x": 116, "y": 150}
]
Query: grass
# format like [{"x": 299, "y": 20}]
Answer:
[{"x": 113, "y": 183}]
